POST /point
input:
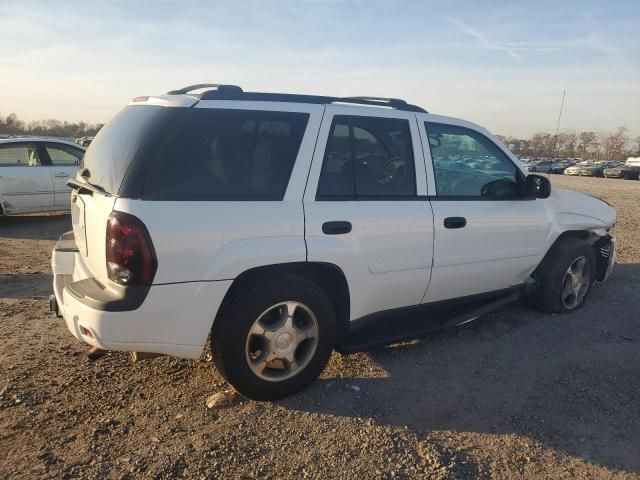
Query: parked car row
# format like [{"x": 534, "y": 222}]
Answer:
[
  {"x": 630, "y": 170},
  {"x": 589, "y": 168}
]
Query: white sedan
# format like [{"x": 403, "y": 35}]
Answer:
[{"x": 34, "y": 173}]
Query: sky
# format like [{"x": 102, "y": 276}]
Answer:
[{"x": 503, "y": 65}]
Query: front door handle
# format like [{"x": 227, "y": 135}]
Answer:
[
  {"x": 336, "y": 228},
  {"x": 61, "y": 175},
  {"x": 455, "y": 222}
]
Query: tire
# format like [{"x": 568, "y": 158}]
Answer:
[
  {"x": 239, "y": 353},
  {"x": 551, "y": 292}
]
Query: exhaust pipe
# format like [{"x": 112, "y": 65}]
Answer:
[
  {"x": 139, "y": 356},
  {"x": 53, "y": 306}
]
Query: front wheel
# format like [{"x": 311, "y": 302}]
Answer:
[
  {"x": 274, "y": 336},
  {"x": 565, "y": 276}
]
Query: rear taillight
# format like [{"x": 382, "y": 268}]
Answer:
[{"x": 131, "y": 259}]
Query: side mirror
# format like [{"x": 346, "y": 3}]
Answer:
[{"x": 538, "y": 186}]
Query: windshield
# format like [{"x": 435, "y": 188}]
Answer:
[{"x": 110, "y": 154}]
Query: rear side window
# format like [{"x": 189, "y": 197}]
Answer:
[
  {"x": 25, "y": 155},
  {"x": 220, "y": 154},
  {"x": 367, "y": 158}
]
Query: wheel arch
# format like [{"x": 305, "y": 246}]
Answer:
[
  {"x": 328, "y": 276},
  {"x": 597, "y": 242}
]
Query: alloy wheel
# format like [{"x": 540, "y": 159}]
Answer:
[
  {"x": 575, "y": 283},
  {"x": 282, "y": 341}
]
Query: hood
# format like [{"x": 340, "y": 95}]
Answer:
[{"x": 577, "y": 211}]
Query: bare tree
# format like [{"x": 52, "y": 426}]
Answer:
[
  {"x": 614, "y": 143},
  {"x": 587, "y": 141},
  {"x": 569, "y": 142}
]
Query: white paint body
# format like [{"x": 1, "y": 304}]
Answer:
[{"x": 398, "y": 253}]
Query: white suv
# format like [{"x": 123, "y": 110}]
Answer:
[
  {"x": 34, "y": 173},
  {"x": 286, "y": 226}
]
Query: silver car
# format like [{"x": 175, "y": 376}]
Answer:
[{"x": 34, "y": 173}]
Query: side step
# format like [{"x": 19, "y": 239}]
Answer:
[{"x": 413, "y": 322}]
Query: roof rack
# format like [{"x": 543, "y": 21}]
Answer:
[{"x": 234, "y": 92}]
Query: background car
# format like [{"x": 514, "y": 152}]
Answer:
[
  {"x": 597, "y": 169},
  {"x": 628, "y": 172},
  {"x": 561, "y": 166},
  {"x": 572, "y": 170},
  {"x": 543, "y": 166},
  {"x": 34, "y": 173},
  {"x": 84, "y": 141}
]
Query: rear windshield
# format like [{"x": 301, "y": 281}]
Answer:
[
  {"x": 112, "y": 150},
  {"x": 217, "y": 154}
]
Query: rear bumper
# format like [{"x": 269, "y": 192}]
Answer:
[{"x": 173, "y": 319}]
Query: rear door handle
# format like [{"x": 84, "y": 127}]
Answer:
[
  {"x": 455, "y": 222},
  {"x": 336, "y": 228}
]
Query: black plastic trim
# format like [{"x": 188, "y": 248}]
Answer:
[
  {"x": 422, "y": 198},
  {"x": 602, "y": 261},
  {"x": 336, "y": 228},
  {"x": 406, "y": 323},
  {"x": 111, "y": 298}
]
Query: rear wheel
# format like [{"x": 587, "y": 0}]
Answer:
[
  {"x": 274, "y": 336},
  {"x": 565, "y": 276}
]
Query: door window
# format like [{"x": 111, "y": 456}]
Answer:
[
  {"x": 367, "y": 158},
  {"x": 64, "y": 155},
  {"x": 468, "y": 164},
  {"x": 19, "y": 155}
]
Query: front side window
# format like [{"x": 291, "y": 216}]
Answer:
[
  {"x": 367, "y": 158},
  {"x": 19, "y": 155},
  {"x": 63, "y": 154},
  {"x": 468, "y": 164},
  {"x": 227, "y": 155}
]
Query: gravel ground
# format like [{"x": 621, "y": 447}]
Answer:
[{"x": 518, "y": 395}]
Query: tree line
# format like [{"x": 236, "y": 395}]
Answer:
[
  {"x": 50, "y": 128},
  {"x": 615, "y": 145}
]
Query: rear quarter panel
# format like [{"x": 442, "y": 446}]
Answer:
[{"x": 197, "y": 241}]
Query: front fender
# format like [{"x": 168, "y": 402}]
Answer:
[{"x": 576, "y": 211}]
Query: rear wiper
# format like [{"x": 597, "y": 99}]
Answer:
[{"x": 86, "y": 186}]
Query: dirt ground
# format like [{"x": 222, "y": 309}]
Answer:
[{"x": 518, "y": 395}]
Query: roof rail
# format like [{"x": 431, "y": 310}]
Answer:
[
  {"x": 199, "y": 86},
  {"x": 396, "y": 103},
  {"x": 234, "y": 92}
]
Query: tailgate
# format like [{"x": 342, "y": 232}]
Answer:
[
  {"x": 78, "y": 222},
  {"x": 90, "y": 211}
]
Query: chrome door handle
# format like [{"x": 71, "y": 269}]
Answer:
[{"x": 61, "y": 175}]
